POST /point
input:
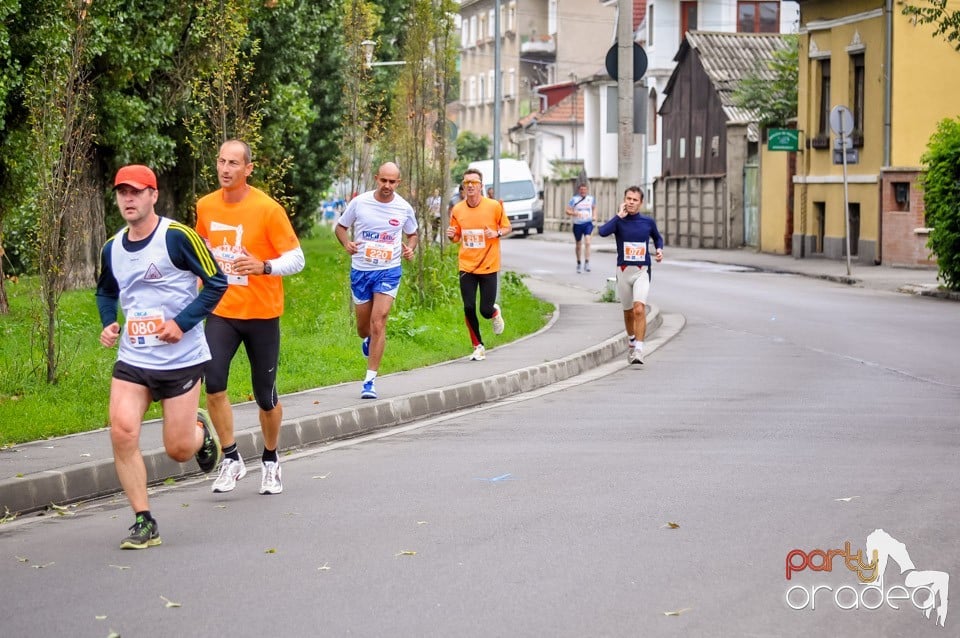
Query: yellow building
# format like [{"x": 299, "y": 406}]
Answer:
[{"x": 898, "y": 80}]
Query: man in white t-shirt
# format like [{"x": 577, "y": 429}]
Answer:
[
  {"x": 583, "y": 208},
  {"x": 380, "y": 219}
]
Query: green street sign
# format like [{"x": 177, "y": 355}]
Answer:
[{"x": 783, "y": 139}]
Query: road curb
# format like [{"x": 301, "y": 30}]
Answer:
[{"x": 84, "y": 481}]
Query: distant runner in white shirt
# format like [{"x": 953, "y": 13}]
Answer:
[
  {"x": 380, "y": 219},
  {"x": 583, "y": 208}
]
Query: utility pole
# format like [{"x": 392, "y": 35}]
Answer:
[
  {"x": 497, "y": 97},
  {"x": 624, "y": 95}
]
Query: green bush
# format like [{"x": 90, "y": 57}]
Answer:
[{"x": 941, "y": 197}]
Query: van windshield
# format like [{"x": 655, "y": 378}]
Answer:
[{"x": 514, "y": 191}]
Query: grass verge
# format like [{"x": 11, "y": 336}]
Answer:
[{"x": 319, "y": 344}]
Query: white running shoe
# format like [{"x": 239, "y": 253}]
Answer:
[
  {"x": 635, "y": 356},
  {"x": 497, "y": 320},
  {"x": 270, "y": 482},
  {"x": 479, "y": 353},
  {"x": 230, "y": 472}
]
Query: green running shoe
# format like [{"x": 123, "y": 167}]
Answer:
[{"x": 143, "y": 534}]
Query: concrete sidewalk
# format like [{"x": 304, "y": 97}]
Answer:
[{"x": 583, "y": 334}]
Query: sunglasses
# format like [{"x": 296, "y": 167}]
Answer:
[{"x": 471, "y": 182}]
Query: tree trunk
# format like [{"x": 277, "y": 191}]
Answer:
[{"x": 88, "y": 234}]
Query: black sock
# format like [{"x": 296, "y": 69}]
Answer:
[
  {"x": 230, "y": 452},
  {"x": 269, "y": 456},
  {"x": 145, "y": 514}
]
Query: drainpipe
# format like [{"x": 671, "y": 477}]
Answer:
[
  {"x": 887, "y": 116},
  {"x": 887, "y": 84}
]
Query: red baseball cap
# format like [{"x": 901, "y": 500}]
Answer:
[{"x": 136, "y": 175}]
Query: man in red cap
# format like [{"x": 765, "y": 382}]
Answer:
[{"x": 150, "y": 268}]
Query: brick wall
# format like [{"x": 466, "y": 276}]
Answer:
[{"x": 902, "y": 245}]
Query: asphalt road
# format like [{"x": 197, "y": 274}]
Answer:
[{"x": 788, "y": 414}]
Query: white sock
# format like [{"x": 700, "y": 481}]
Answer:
[
  {"x": 371, "y": 375},
  {"x": 639, "y": 346}
]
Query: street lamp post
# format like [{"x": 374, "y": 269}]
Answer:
[{"x": 368, "y": 46}]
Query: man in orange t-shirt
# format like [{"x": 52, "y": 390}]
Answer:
[
  {"x": 252, "y": 239},
  {"x": 478, "y": 223}
]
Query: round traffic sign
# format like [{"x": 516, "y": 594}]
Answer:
[
  {"x": 639, "y": 62},
  {"x": 841, "y": 120}
]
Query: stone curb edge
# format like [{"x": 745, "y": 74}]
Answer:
[{"x": 85, "y": 481}]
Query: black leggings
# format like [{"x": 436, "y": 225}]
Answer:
[
  {"x": 261, "y": 340},
  {"x": 469, "y": 282}
]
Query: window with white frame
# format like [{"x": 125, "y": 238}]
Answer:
[
  {"x": 465, "y": 34},
  {"x": 491, "y": 23},
  {"x": 682, "y": 148},
  {"x": 491, "y": 78},
  {"x": 482, "y": 27},
  {"x": 512, "y": 16},
  {"x": 509, "y": 80},
  {"x": 473, "y": 91},
  {"x": 473, "y": 30},
  {"x": 552, "y": 17}
]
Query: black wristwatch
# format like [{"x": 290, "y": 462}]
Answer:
[{"x": 267, "y": 268}]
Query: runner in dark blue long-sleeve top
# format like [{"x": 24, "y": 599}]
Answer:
[{"x": 633, "y": 233}]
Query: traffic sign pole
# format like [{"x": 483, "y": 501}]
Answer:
[{"x": 841, "y": 121}]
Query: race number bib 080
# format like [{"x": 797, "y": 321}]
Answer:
[
  {"x": 473, "y": 238},
  {"x": 226, "y": 257},
  {"x": 375, "y": 252},
  {"x": 584, "y": 214},
  {"x": 634, "y": 251},
  {"x": 143, "y": 327}
]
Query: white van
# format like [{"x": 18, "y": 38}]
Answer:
[{"x": 521, "y": 201}]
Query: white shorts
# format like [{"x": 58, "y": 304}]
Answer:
[{"x": 633, "y": 285}]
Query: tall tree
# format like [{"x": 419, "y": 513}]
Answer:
[
  {"x": 771, "y": 91},
  {"x": 58, "y": 102}
]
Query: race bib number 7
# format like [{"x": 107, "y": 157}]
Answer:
[
  {"x": 143, "y": 327},
  {"x": 634, "y": 251}
]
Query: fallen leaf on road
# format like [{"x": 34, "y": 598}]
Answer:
[
  {"x": 422, "y": 523},
  {"x": 113, "y": 634},
  {"x": 7, "y": 516},
  {"x": 846, "y": 499},
  {"x": 120, "y": 567},
  {"x": 170, "y": 481},
  {"x": 221, "y": 507},
  {"x": 42, "y": 566},
  {"x": 670, "y": 525},
  {"x": 324, "y": 568},
  {"x": 169, "y": 603},
  {"x": 99, "y": 617},
  {"x": 184, "y": 504},
  {"x": 321, "y": 476},
  {"x": 85, "y": 454},
  {"x": 272, "y": 550},
  {"x": 676, "y": 612},
  {"x": 22, "y": 559},
  {"x": 405, "y": 552}
]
